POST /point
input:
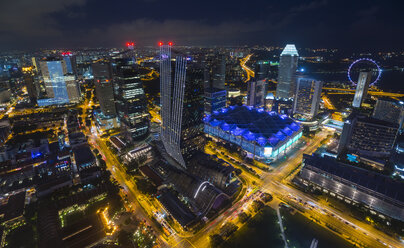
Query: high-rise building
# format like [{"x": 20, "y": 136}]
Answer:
[
  {"x": 256, "y": 93},
  {"x": 262, "y": 69},
  {"x": 368, "y": 137},
  {"x": 361, "y": 88},
  {"x": 131, "y": 105},
  {"x": 215, "y": 100},
  {"x": 105, "y": 95},
  {"x": 307, "y": 98},
  {"x": 390, "y": 110},
  {"x": 181, "y": 84},
  {"x": 102, "y": 70},
  {"x": 214, "y": 81},
  {"x": 219, "y": 72},
  {"x": 287, "y": 72},
  {"x": 61, "y": 86},
  {"x": 71, "y": 64},
  {"x": 31, "y": 85}
]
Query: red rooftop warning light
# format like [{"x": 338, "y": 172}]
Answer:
[
  {"x": 160, "y": 43},
  {"x": 170, "y": 43}
]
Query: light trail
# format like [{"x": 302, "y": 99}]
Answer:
[{"x": 250, "y": 73}]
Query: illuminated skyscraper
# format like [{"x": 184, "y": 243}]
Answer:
[
  {"x": 105, "y": 95},
  {"x": 262, "y": 68},
  {"x": 181, "y": 84},
  {"x": 215, "y": 91},
  {"x": 361, "y": 88},
  {"x": 102, "y": 70},
  {"x": 61, "y": 86},
  {"x": 307, "y": 97},
  {"x": 219, "y": 72},
  {"x": 287, "y": 72},
  {"x": 130, "y": 99},
  {"x": 71, "y": 65},
  {"x": 390, "y": 110},
  {"x": 366, "y": 136},
  {"x": 256, "y": 93}
]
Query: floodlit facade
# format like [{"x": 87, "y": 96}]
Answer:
[
  {"x": 354, "y": 185},
  {"x": 105, "y": 94},
  {"x": 262, "y": 68},
  {"x": 361, "y": 88},
  {"x": 256, "y": 93},
  {"x": 61, "y": 86},
  {"x": 215, "y": 99},
  {"x": 390, "y": 110},
  {"x": 307, "y": 98},
  {"x": 368, "y": 136},
  {"x": 130, "y": 99},
  {"x": 182, "y": 105},
  {"x": 287, "y": 72},
  {"x": 266, "y": 135}
]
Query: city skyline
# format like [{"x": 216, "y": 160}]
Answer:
[{"x": 157, "y": 124}]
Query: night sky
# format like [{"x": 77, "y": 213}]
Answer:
[{"x": 355, "y": 24}]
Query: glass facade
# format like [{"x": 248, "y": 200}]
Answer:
[
  {"x": 131, "y": 106},
  {"x": 287, "y": 72},
  {"x": 181, "y": 105}
]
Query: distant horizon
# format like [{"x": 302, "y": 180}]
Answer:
[{"x": 346, "y": 24}]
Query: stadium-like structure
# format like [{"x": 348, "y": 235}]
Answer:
[{"x": 266, "y": 135}]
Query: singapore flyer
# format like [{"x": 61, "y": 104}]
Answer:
[{"x": 361, "y": 61}]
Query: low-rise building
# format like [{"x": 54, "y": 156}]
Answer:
[
  {"x": 354, "y": 185},
  {"x": 263, "y": 134}
]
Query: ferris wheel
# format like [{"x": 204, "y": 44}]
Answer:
[{"x": 363, "y": 60}]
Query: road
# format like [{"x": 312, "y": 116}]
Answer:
[
  {"x": 119, "y": 174},
  {"x": 250, "y": 73}
]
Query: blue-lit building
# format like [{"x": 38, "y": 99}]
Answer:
[
  {"x": 61, "y": 85},
  {"x": 266, "y": 135},
  {"x": 215, "y": 100}
]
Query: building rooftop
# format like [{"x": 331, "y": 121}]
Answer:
[
  {"x": 290, "y": 49},
  {"x": 266, "y": 128},
  {"x": 83, "y": 155},
  {"x": 176, "y": 208},
  {"x": 365, "y": 178},
  {"x": 14, "y": 207}
]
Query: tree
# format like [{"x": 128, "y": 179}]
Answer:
[
  {"x": 124, "y": 239},
  {"x": 228, "y": 229},
  {"x": 145, "y": 187},
  {"x": 243, "y": 217},
  {"x": 215, "y": 240},
  {"x": 257, "y": 205}
]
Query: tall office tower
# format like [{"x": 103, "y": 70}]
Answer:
[
  {"x": 262, "y": 68},
  {"x": 215, "y": 100},
  {"x": 131, "y": 105},
  {"x": 71, "y": 64},
  {"x": 219, "y": 72},
  {"x": 256, "y": 93},
  {"x": 102, "y": 69},
  {"x": 361, "y": 88},
  {"x": 389, "y": 110},
  {"x": 35, "y": 64},
  {"x": 105, "y": 94},
  {"x": 31, "y": 87},
  {"x": 307, "y": 97},
  {"x": 181, "y": 84},
  {"x": 368, "y": 137},
  {"x": 287, "y": 72},
  {"x": 61, "y": 87},
  {"x": 214, "y": 81}
]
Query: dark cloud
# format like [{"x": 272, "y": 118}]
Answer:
[{"x": 315, "y": 23}]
